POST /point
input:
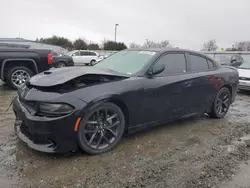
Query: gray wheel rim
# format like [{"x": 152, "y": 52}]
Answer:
[
  {"x": 102, "y": 128},
  {"x": 19, "y": 77},
  {"x": 223, "y": 103}
]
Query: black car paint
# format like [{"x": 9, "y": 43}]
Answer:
[
  {"x": 37, "y": 58},
  {"x": 67, "y": 60},
  {"x": 144, "y": 99}
]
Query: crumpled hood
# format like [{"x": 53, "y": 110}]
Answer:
[
  {"x": 57, "y": 76},
  {"x": 244, "y": 73}
]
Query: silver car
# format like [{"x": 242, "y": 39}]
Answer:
[{"x": 83, "y": 57}]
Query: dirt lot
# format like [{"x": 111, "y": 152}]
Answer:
[{"x": 192, "y": 153}]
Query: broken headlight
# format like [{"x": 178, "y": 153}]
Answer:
[{"x": 53, "y": 109}]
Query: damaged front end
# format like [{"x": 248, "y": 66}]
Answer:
[{"x": 69, "y": 79}]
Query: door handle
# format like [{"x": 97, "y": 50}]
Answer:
[{"x": 187, "y": 83}]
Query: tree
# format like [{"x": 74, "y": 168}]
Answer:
[
  {"x": 242, "y": 46},
  {"x": 111, "y": 45},
  {"x": 93, "y": 46},
  {"x": 80, "y": 44},
  {"x": 134, "y": 45},
  {"x": 161, "y": 44},
  {"x": 56, "y": 40},
  {"x": 210, "y": 46}
]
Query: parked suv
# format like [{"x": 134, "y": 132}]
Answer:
[{"x": 83, "y": 57}]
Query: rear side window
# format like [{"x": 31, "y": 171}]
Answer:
[
  {"x": 174, "y": 63},
  {"x": 197, "y": 63},
  {"x": 92, "y": 53},
  {"x": 83, "y": 53}
]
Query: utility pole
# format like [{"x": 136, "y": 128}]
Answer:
[{"x": 116, "y": 25}]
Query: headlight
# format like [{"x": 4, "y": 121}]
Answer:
[{"x": 54, "y": 109}]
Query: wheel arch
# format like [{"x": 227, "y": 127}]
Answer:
[
  {"x": 116, "y": 99},
  {"x": 9, "y": 63},
  {"x": 229, "y": 87}
]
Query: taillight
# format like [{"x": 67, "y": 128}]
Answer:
[{"x": 50, "y": 58}]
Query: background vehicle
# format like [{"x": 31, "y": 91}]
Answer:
[
  {"x": 244, "y": 76},
  {"x": 61, "y": 60},
  {"x": 83, "y": 57},
  {"x": 18, "y": 65},
  {"x": 94, "y": 105},
  {"x": 226, "y": 58}
]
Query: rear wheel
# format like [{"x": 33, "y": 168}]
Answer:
[
  {"x": 92, "y": 62},
  {"x": 17, "y": 76},
  {"x": 101, "y": 129},
  {"x": 61, "y": 64},
  {"x": 221, "y": 103}
]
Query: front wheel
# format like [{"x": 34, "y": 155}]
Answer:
[
  {"x": 101, "y": 129},
  {"x": 221, "y": 103}
]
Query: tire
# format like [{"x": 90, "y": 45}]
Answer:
[
  {"x": 92, "y": 62},
  {"x": 24, "y": 71},
  {"x": 221, "y": 103},
  {"x": 103, "y": 134},
  {"x": 60, "y": 65}
]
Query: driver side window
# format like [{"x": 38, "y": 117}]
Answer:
[{"x": 174, "y": 64}]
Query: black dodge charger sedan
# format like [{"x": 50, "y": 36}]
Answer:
[{"x": 61, "y": 110}]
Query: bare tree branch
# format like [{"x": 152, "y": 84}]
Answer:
[{"x": 210, "y": 46}]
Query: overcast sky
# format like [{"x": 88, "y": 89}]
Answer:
[{"x": 185, "y": 23}]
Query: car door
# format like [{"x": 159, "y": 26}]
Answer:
[
  {"x": 167, "y": 94},
  {"x": 84, "y": 57},
  {"x": 202, "y": 71},
  {"x": 76, "y": 58}
]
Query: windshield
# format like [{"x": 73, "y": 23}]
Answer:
[
  {"x": 245, "y": 65},
  {"x": 127, "y": 62},
  {"x": 70, "y": 53}
]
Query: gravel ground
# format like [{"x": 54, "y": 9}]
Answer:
[{"x": 195, "y": 153}]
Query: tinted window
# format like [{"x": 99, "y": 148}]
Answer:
[
  {"x": 210, "y": 64},
  {"x": 76, "y": 53},
  {"x": 174, "y": 63},
  {"x": 83, "y": 53},
  {"x": 92, "y": 53},
  {"x": 239, "y": 58},
  {"x": 197, "y": 63}
]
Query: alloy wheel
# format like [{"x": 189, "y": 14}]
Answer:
[
  {"x": 102, "y": 128},
  {"x": 19, "y": 77},
  {"x": 223, "y": 103}
]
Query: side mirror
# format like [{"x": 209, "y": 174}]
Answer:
[{"x": 158, "y": 68}]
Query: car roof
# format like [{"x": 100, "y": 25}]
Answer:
[{"x": 162, "y": 50}]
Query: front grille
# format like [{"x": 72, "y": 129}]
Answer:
[{"x": 244, "y": 78}]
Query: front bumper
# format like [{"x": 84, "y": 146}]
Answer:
[
  {"x": 244, "y": 85},
  {"x": 45, "y": 134}
]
